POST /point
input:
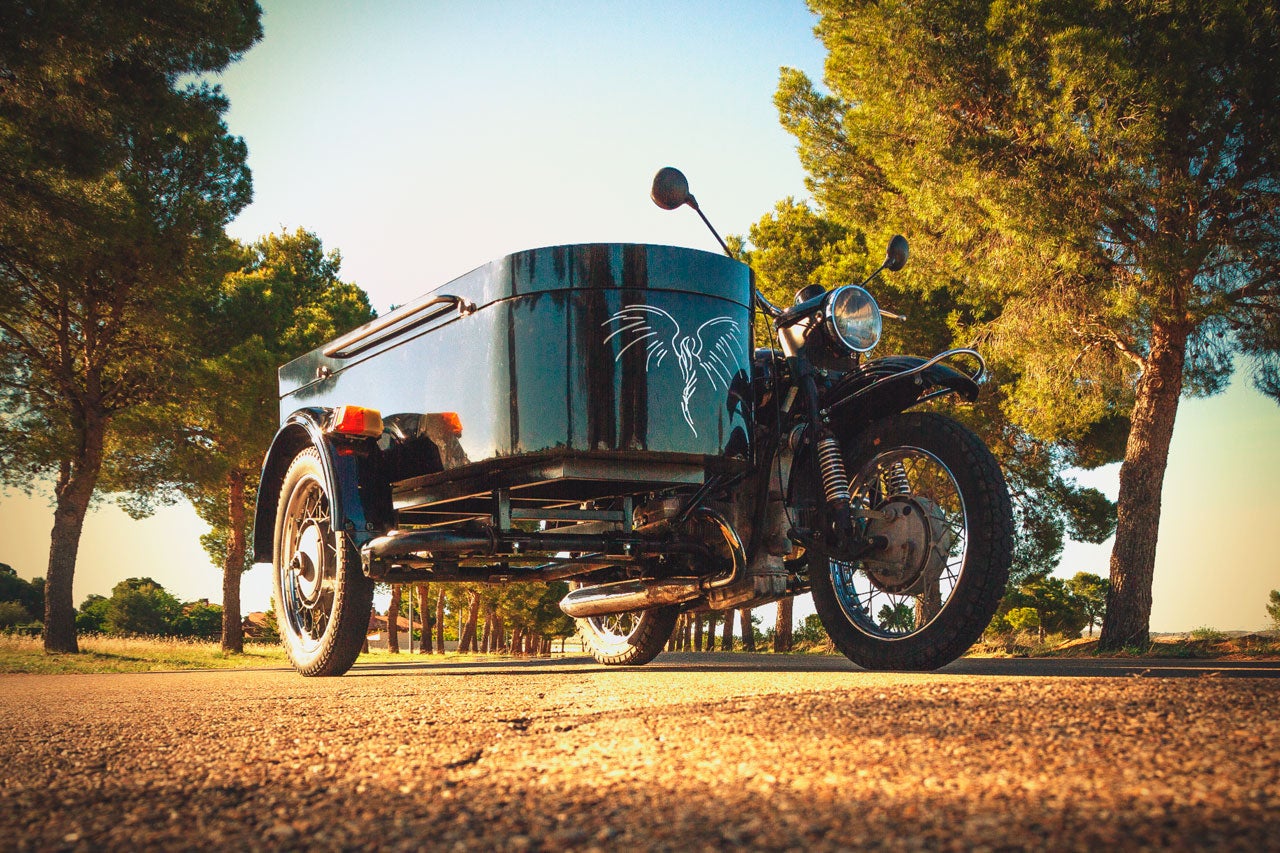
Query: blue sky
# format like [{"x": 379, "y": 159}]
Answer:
[{"x": 422, "y": 139}]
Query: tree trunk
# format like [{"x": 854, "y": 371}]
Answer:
[
  {"x": 408, "y": 591},
  {"x": 393, "y": 621},
  {"x": 697, "y": 631},
  {"x": 782, "y": 626},
  {"x": 748, "y": 630},
  {"x": 1133, "y": 558},
  {"x": 76, "y": 482},
  {"x": 233, "y": 565},
  {"x": 467, "y": 642},
  {"x": 424, "y": 596},
  {"x": 726, "y": 642},
  {"x": 440, "y": 622},
  {"x": 490, "y": 645}
]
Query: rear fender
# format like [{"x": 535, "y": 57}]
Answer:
[
  {"x": 886, "y": 386},
  {"x": 354, "y": 476}
]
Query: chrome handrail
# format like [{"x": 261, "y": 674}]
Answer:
[{"x": 342, "y": 347}]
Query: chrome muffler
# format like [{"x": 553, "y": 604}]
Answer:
[
  {"x": 607, "y": 599},
  {"x": 622, "y": 596}
]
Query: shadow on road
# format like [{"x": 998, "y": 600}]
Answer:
[{"x": 741, "y": 662}]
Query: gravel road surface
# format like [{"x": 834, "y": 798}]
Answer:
[{"x": 694, "y": 752}]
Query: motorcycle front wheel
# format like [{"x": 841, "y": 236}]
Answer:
[{"x": 935, "y": 495}]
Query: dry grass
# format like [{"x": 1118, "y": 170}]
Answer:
[
  {"x": 1201, "y": 643},
  {"x": 100, "y": 653},
  {"x": 19, "y": 653}
]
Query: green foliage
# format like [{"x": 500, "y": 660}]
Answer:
[
  {"x": 1068, "y": 163},
  {"x": 1090, "y": 592},
  {"x": 13, "y": 614},
  {"x": 199, "y": 620},
  {"x": 92, "y": 616},
  {"x": 1023, "y": 619},
  {"x": 1273, "y": 609},
  {"x": 898, "y": 617},
  {"x": 29, "y": 594},
  {"x": 1206, "y": 634},
  {"x": 1058, "y": 609},
  {"x": 141, "y": 607},
  {"x": 117, "y": 176},
  {"x": 810, "y": 633}
]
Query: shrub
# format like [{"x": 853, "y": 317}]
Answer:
[{"x": 13, "y": 614}]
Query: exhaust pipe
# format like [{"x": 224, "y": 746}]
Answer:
[{"x": 619, "y": 597}]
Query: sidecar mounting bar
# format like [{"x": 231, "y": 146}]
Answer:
[{"x": 445, "y": 545}]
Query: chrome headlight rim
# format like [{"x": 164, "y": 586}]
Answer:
[{"x": 873, "y": 324}]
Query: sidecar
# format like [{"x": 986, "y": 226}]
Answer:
[{"x": 508, "y": 423}]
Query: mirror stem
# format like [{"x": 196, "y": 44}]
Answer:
[{"x": 694, "y": 204}]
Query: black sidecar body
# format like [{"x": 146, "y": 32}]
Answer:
[{"x": 528, "y": 387}]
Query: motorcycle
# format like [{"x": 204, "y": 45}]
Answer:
[{"x": 601, "y": 414}]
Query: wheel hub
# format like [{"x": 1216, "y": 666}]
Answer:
[
  {"x": 307, "y": 561},
  {"x": 918, "y": 542}
]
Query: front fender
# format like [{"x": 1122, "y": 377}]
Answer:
[
  {"x": 886, "y": 386},
  {"x": 359, "y": 493}
]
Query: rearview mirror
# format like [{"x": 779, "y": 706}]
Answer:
[
  {"x": 670, "y": 188},
  {"x": 896, "y": 258}
]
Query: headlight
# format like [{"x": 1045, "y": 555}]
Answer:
[{"x": 853, "y": 318}]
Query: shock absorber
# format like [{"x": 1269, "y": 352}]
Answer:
[
  {"x": 835, "y": 480},
  {"x": 895, "y": 479}
]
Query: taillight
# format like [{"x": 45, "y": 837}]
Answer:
[{"x": 356, "y": 420}]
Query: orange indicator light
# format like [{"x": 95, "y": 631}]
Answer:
[{"x": 357, "y": 420}]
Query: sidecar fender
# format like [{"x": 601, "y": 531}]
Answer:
[
  {"x": 885, "y": 386},
  {"x": 354, "y": 475}
]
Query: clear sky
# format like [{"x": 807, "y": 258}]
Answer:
[{"x": 424, "y": 139}]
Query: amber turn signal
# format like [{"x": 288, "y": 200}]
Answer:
[{"x": 356, "y": 420}]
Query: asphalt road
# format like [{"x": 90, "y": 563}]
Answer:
[{"x": 693, "y": 752}]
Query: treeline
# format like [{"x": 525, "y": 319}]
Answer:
[
  {"x": 137, "y": 607},
  {"x": 1046, "y": 605},
  {"x": 517, "y": 618}
]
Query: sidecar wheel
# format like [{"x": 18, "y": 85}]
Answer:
[
  {"x": 322, "y": 597},
  {"x": 629, "y": 639},
  {"x": 943, "y": 507}
]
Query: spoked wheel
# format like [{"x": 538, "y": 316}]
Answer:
[
  {"x": 629, "y": 639},
  {"x": 936, "y": 495},
  {"x": 322, "y": 597}
]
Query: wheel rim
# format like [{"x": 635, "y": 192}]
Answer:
[
  {"x": 927, "y": 526},
  {"x": 616, "y": 627},
  {"x": 309, "y": 564}
]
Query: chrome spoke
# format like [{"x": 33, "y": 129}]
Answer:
[{"x": 876, "y": 595}]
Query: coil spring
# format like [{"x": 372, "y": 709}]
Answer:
[
  {"x": 895, "y": 480},
  {"x": 835, "y": 481}
]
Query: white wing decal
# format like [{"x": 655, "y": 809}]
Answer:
[{"x": 710, "y": 349}]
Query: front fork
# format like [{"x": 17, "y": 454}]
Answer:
[{"x": 830, "y": 459}]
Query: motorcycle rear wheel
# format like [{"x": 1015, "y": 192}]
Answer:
[
  {"x": 629, "y": 639},
  {"x": 944, "y": 505}
]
